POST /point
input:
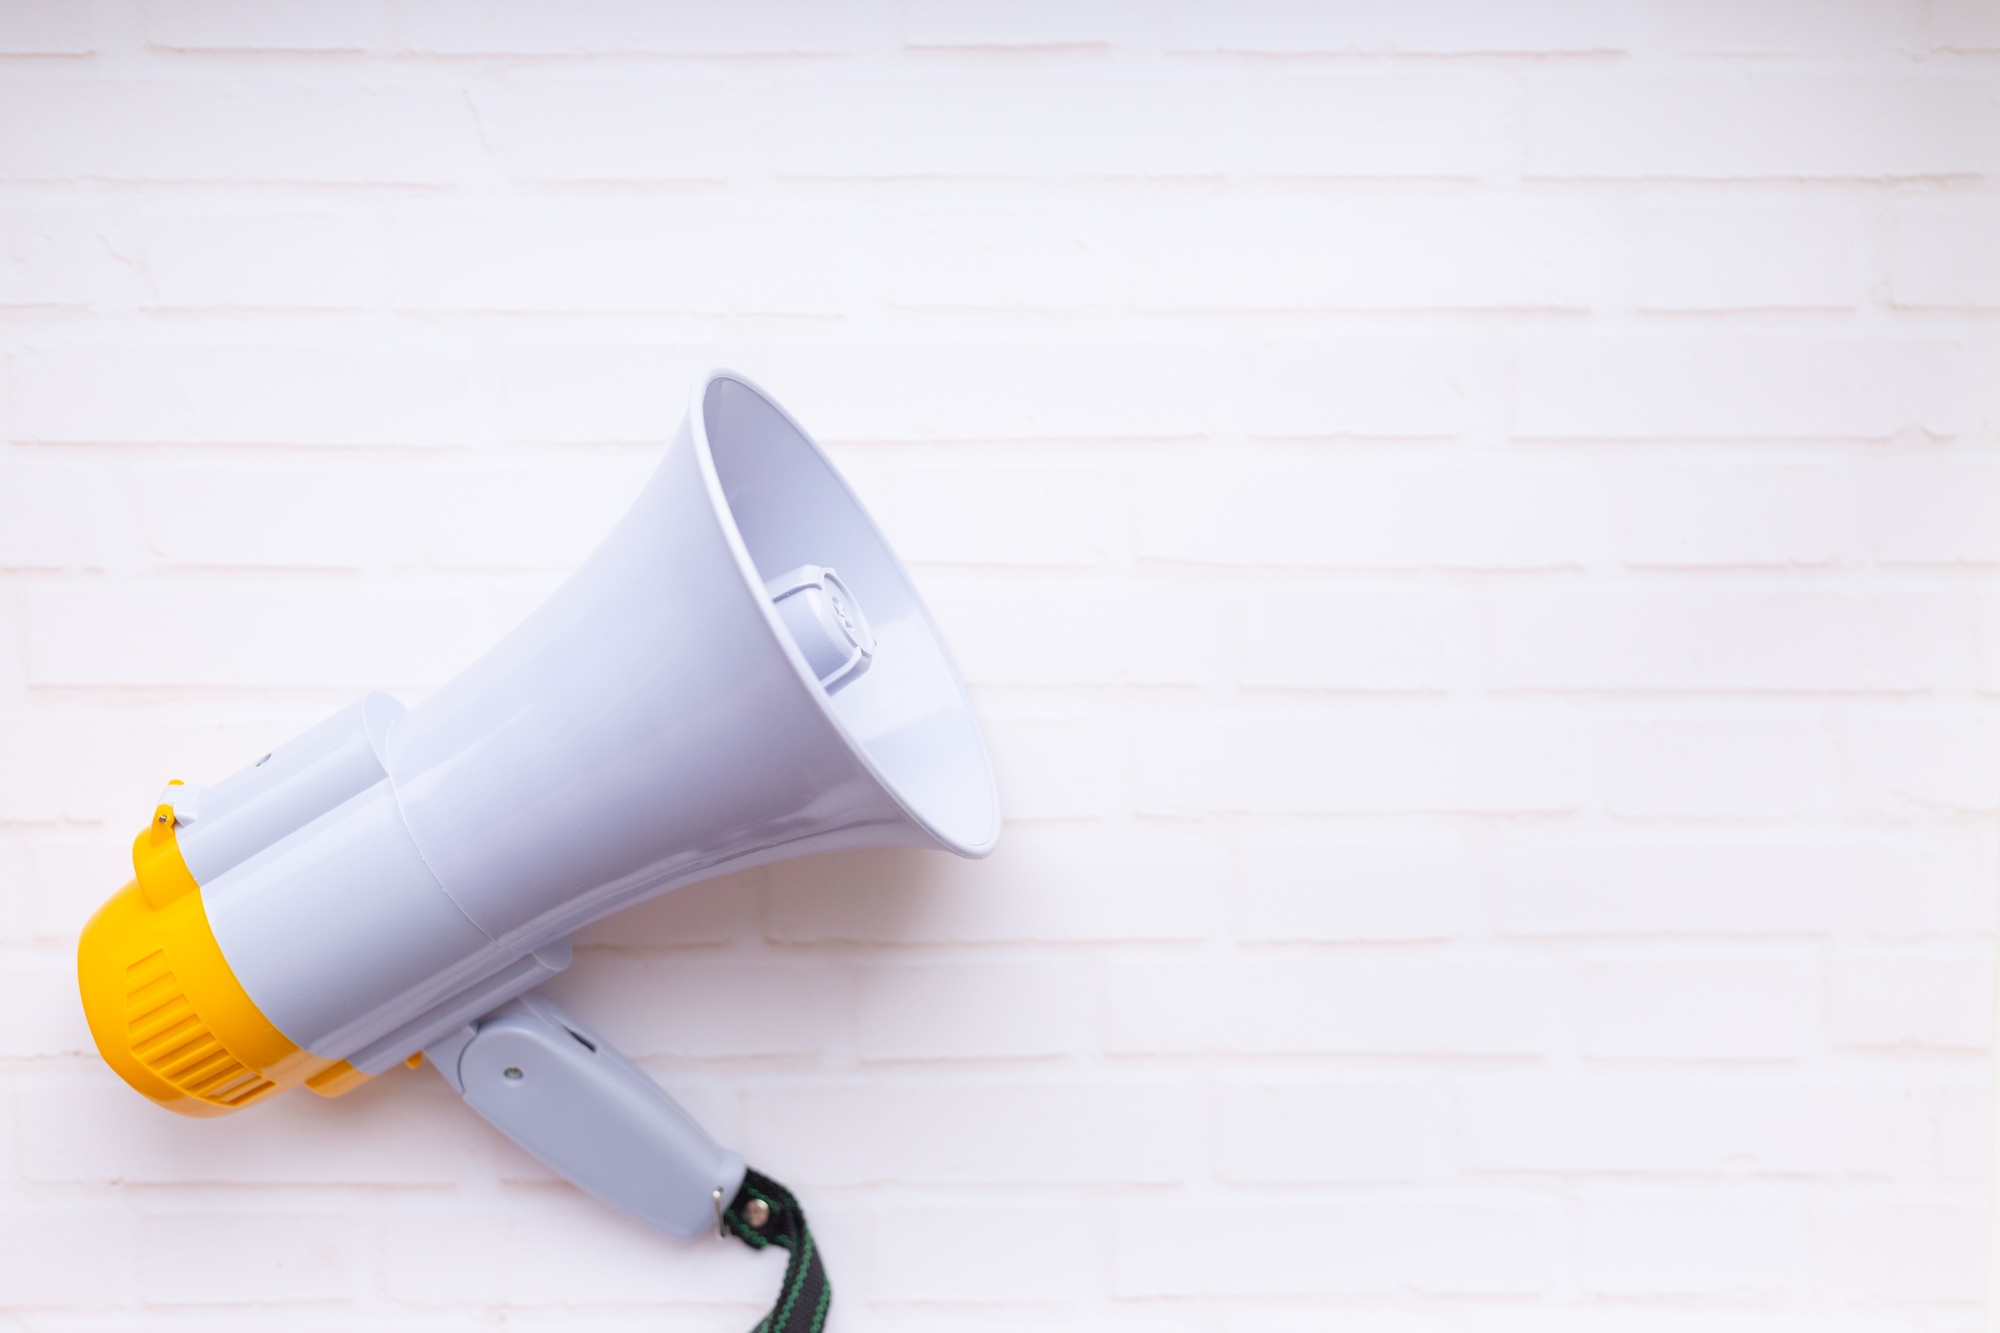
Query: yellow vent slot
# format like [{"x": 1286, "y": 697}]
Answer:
[{"x": 170, "y": 1039}]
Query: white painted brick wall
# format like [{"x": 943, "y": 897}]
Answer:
[{"x": 1473, "y": 528}]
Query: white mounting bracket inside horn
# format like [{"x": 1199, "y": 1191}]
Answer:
[{"x": 825, "y": 622}]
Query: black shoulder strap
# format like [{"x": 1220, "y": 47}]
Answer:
[{"x": 765, "y": 1213}]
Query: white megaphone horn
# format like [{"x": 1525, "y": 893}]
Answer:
[{"x": 742, "y": 672}]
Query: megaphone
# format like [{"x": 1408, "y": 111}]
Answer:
[{"x": 742, "y": 672}]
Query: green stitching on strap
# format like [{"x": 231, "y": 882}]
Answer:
[{"x": 806, "y": 1295}]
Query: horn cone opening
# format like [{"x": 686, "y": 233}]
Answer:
[{"x": 908, "y": 716}]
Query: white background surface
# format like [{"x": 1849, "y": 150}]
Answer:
[{"x": 1472, "y": 528}]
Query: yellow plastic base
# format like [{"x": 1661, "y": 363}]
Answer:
[{"x": 165, "y": 1008}]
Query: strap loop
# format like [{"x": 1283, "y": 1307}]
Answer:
[{"x": 765, "y": 1213}]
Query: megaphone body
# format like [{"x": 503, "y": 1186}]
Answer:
[{"x": 742, "y": 672}]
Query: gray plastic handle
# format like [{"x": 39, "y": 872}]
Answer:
[{"x": 590, "y": 1114}]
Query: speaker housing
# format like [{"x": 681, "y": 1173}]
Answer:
[{"x": 393, "y": 873}]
